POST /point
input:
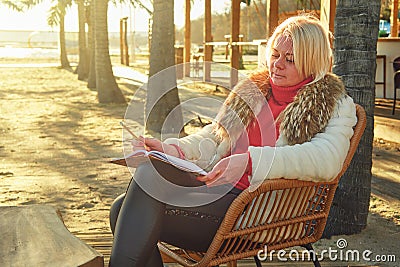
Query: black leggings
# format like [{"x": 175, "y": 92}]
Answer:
[{"x": 138, "y": 220}]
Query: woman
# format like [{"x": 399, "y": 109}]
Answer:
[{"x": 314, "y": 119}]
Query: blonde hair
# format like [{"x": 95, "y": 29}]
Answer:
[{"x": 311, "y": 45}]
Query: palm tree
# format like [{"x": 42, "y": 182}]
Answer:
[
  {"x": 91, "y": 20},
  {"x": 162, "y": 92},
  {"x": 356, "y": 33},
  {"x": 107, "y": 88},
  {"x": 56, "y": 17},
  {"x": 91, "y": 80},
  {"x": 83, "y": 66},
  {"x": 13, "y": 4}
]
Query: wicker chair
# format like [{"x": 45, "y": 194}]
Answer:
[{"x": 281, "y": 213}]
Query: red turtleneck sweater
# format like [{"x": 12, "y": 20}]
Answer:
[{"x": 264, "y": 130}]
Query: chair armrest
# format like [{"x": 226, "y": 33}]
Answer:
[{"x": 273, "y": 185}]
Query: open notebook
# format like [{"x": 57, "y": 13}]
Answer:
[{"x": 140, "y": 156}]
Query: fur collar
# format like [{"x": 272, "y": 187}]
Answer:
[{"x": 306, "y": 116}]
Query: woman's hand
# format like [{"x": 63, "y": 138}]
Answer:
[
  {"x": 227, "y": 170},
  {"x": 154, "y": 144}
]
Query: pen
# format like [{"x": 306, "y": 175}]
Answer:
[{"x": 129, "y": 130}]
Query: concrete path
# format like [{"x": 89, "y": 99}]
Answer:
[
  {"x": 387, "y": 126},
  {"x": 125, "y": 72}
]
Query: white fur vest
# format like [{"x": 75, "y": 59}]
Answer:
[{"x": 306, "y": 116}]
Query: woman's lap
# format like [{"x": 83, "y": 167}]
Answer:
[
  {"x": 194, "y": 227},
  {"x": 191, "y": 227}
]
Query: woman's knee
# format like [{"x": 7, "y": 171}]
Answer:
[
  {"x": 144, "y": 172},
  {"x": 151, "y": 181},
  {"x": 114, "y": 211}
]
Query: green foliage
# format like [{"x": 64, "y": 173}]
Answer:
[
  {"x": 13, "y": 5},
  {"x": 385, "y": 14},
  {"x": 54, "y": 16},
  {"x": 247, "y": 2},
  {"x": 21, "y": 5},
  {"x": 57, "y": 9},
  {"x": 383, "y": 33}
]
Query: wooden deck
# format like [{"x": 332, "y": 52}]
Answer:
[
  {"x": 102, "y": 242},
  {"x": 35, "y": 235}
]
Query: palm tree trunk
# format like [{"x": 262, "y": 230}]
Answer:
[
  {"x": 107, "y": 88},
  {"x": 356, "y": 34},
  {"x": 162, "y": 100},
  {"x": 83, "y": 65},
  {"x": 63, "y": 50},
  {"x": 91, "y": 82}
]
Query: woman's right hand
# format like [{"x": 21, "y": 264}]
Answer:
[
  {"x": 138, "y": 144},
  {"x": 154, "y": 144}
]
